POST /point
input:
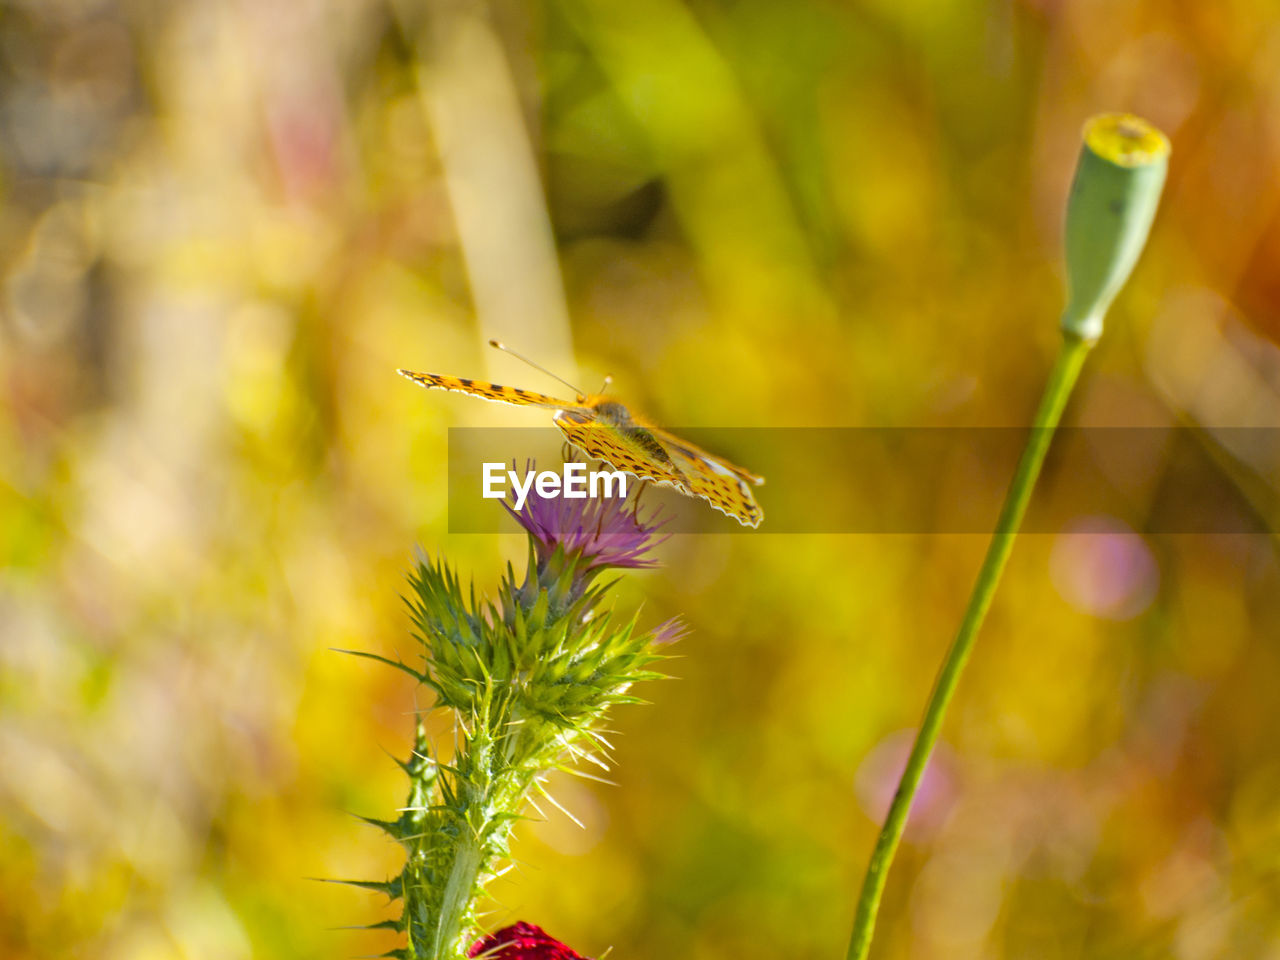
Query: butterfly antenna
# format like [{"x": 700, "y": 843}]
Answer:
[
  {"x": 607, "y": 380},
  {"x": 499, "y": 345}
]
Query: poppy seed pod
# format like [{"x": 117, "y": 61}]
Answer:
[{"x": 1114, "y": 196}]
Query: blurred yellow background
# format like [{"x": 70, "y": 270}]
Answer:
[{"x": 225, "y": 223}]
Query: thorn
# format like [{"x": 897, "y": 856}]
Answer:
[
  {"x": 582, "y": 774},
  {"x": 397, "y": 925},
  {"x": 534, "y": 803},
  {"x": 559, "y": 807},
  {"x": 389, "y": 887}
]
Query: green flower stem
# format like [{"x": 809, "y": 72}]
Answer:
[
  {"x": 1062, "y": 380},
  {"x": 488, "y": 815},
  {"x": 464, "y": 878},
  {"x": 1117, "y": 186}
]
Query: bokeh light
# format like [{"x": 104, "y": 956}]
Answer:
[{"x": 224, "y": 225}]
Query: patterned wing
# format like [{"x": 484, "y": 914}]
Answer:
[
  {"x": 605, "y": 443},
  {"x": 722, "y": 484},
  {"x": 694, "y": 452},
  {"x": 489, "y": 391}
]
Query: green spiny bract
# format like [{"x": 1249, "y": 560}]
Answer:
[{"x": 529, "y": 678}]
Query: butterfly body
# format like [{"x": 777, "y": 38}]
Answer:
[
  {"x": 606, "y": 412},
  {"x": 605, "y": 429}
]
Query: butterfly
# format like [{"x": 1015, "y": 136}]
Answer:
[{"x": 604, "y": 429}]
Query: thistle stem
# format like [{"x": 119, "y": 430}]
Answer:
[
  {"x": 459, "y": 891},
  {"x": 1062, "y": 380}
]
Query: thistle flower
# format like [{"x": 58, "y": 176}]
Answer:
[
  {"x": 571, "y": 541},
  {"x": 603, "y": 532},
  {"x": 522, "y": 941},
  {"x": 530, "y": 675}
]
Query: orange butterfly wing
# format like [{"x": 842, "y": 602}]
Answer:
[
  {"x": 692, "y": 451},
  {"x": 604, "y": 443},
  {"x": 630, "y": 445},
  {"x": 716, "y": 481},
  {"x": 488, "y": 391},
  {"x": 688, "y": 468}
]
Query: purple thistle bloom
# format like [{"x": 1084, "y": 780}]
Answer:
[
  {"x": 602, "y": 532},
  {"x": 668, "y": 632}
]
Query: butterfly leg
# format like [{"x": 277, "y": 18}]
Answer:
[
  {"x": 635, "y": 500},
  {"x": 567, "y": 453}
]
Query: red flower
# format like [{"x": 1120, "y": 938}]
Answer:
[{"x": 522, "y": 941}]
